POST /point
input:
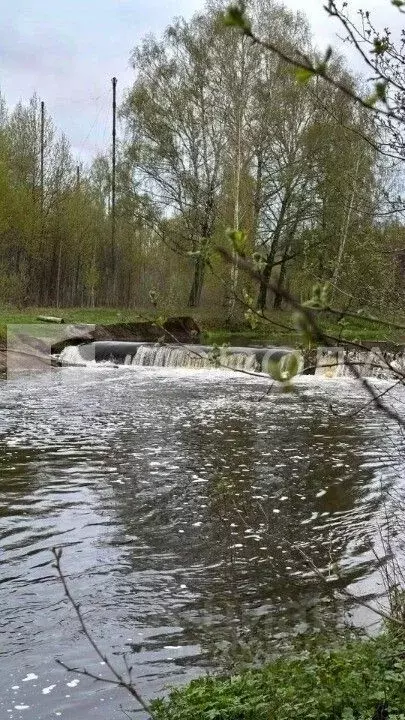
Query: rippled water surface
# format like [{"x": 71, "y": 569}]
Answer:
[{"x": 179, "y": 498}]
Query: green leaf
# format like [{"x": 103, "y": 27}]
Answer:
[
  {"x": 319, "y": 295},
  {"x": 380, "y": 46},
  {"x": 325, "y": 294},
  {"x": 259, "y": 261},
  {"x": 398, "y": 3},
  {"x": 238, "y": 239},
  {"x": 286, "y": 368},
  {"x": 154, "y": 297},
  {"x": 303, "y": 75},
  {"x": 371, "y": 100},
  {"x": 381, "y": 91},
  {"x": 235, "y": 16},
  {"x": 274, "y": 370},
  {"x": 251, "y": 318},
  {"x": 304, "y": 328},
  {"x": 292, "y": 365},
  {"x": 160, "y": 321}
]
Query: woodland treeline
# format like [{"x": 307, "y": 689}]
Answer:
[{"x": 215, "y": 133}]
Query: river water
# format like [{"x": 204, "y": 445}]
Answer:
[{"x": 180, "y": 498}]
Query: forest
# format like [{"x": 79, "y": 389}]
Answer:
[{"x": 215, "y": 135}]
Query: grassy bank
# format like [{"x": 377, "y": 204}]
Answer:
[
  {"x": 362, "y": 680},
  {"x": 280, "y": 331}
]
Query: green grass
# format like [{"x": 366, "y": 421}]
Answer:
[
  {"x": 351, "y": 330},
  {"x": 214, "y": 327},
  {"x": 358, "y": 681},
  {"x": 98, "y": 316}
]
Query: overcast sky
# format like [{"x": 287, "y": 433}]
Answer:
[{"x": 67, "y": 51}]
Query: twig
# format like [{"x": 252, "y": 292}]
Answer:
[
  {"x": 118, "y": 680},
  {"x": 316, "y": 332},
  {"x": 346, "y": 593}
]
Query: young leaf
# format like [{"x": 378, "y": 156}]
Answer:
[
  {"x": 381, "y": 91},
  {"x": 238, "y": 239},
  {"x": 154, "y": 297},
  {"x": 286, "y": 368},
  {"x": 380, "y": 46},
  {"x": 303, "y": 75},
  {"x": 235, "y": 16},
  {"x": 259, "y": 261},
  {"x": 291, "y": 366}
]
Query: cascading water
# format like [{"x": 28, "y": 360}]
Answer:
[
  {"x": 338, "y": 363},
  {"x": 330, "y": 362},
  {"x": 72, "y": 355},
  {"x": 180, "y": 356}
]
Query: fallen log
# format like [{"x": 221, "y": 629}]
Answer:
[{"x": 50, "y": 319}]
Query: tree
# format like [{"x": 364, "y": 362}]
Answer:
[{"x": 177, "y": 134}]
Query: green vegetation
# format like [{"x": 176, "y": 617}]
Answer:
[
  {"x": 214, "y": 330},
  {"x": 216, "y": 133},
  {"x": 269, "y": 150},
  {"x": 351, "y": 330},
  {"x": 360, "y": 680}
]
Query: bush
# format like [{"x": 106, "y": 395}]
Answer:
[{"x": 362, "y": 680}]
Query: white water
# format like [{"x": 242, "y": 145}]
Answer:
[
  {"x": 181, "y": 498},
  {"x": 176, "y": 356},
  {"x": 330, "y": 364},
  {"x": 71, "y": 355},
  {"x": 338, "y": 363},
  {"x": 166, "y": 356}
]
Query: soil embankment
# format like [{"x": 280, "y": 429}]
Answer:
[
  {"x": 176, "y": 329},
  {"x": 181, "y": 329}
]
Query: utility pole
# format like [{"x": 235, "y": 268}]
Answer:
[
  {"x": 77, "y": 177},
  {"x": 114, "y": 159},
  {"x": 42, "y": 153}
]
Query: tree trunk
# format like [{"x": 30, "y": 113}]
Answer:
[
  {"x": 202, "y": 245},
  {"x": 58, "y": 274},
  {"x": 266, "y": 272},
  {"x": 345, "y": 232},
  {"x": 280, "y": 282},
  {"x": 198, "y": 281},
  {"x": 264, "y": 285},
  {"x": 236, "y": 212},
  {"x": 257, "y": 203}
]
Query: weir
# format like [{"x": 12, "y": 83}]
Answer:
[
  {"x": 328, "y": 363},
  {"x": 373, "y": 363},
  {"x": 175, "y": 355}
]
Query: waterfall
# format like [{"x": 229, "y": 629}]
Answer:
[
  {"x": 74, "y": 355},
  {"x": 176, "y": 356},
  {"x": 330, "y": 363},
  {"x": 192, "y": 357},
  {"x": 338, "y": 363}
]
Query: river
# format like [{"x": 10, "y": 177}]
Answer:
[{"x": 180, "y": 498}]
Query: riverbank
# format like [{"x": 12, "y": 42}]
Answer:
[
  {"x": 280, "y": 330},
  {"x": 362, "y": 679},
  {"x": 202, "y": 328}
]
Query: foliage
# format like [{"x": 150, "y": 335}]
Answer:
[
  {"x": 215, "y": 331},
  {"x": 222, "y": 147},
  {"x": 360, "y": 680},
  {"x": 222, "y": 136}
]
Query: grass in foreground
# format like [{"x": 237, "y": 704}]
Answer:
[
  {"x": 214, "y": 327},
  {"x": 362, "y": 680}
]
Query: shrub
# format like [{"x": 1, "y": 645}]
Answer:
[{"x": 362, "y": 680}]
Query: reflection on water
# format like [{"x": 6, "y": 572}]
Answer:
[{"x": 180, "y": 498}]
